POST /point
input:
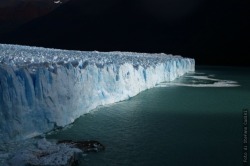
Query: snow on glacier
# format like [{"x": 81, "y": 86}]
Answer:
[{"x": 41, "y": 88}]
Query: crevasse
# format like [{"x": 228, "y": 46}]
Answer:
[{"x": 41, "y": 89}]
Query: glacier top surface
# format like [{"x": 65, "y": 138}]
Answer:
[{"x": 33, "y": 57}]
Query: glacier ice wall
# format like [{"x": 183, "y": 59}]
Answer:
[{"x": 41, "y": 89}]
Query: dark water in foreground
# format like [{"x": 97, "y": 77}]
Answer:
[{"x": 171, "y": 125}]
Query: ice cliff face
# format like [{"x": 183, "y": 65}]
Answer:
[{"x": 41, "y": 89}]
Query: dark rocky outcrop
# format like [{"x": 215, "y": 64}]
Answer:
[{"x": 85, "y": 146}]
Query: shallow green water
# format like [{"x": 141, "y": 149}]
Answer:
[{"x": 173, "y": 125}]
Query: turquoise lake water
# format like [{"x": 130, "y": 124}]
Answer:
[{"x": 178, "y": 124}]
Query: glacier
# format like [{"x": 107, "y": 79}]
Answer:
[{"x": 42, "y": 89}]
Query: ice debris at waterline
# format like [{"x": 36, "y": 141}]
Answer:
[
  {"x": 45, "y": 153},
  {"x": 41, "y": 88},
  {"x": 40, "y": 152},
  {"x": 200, "y": 81}
]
